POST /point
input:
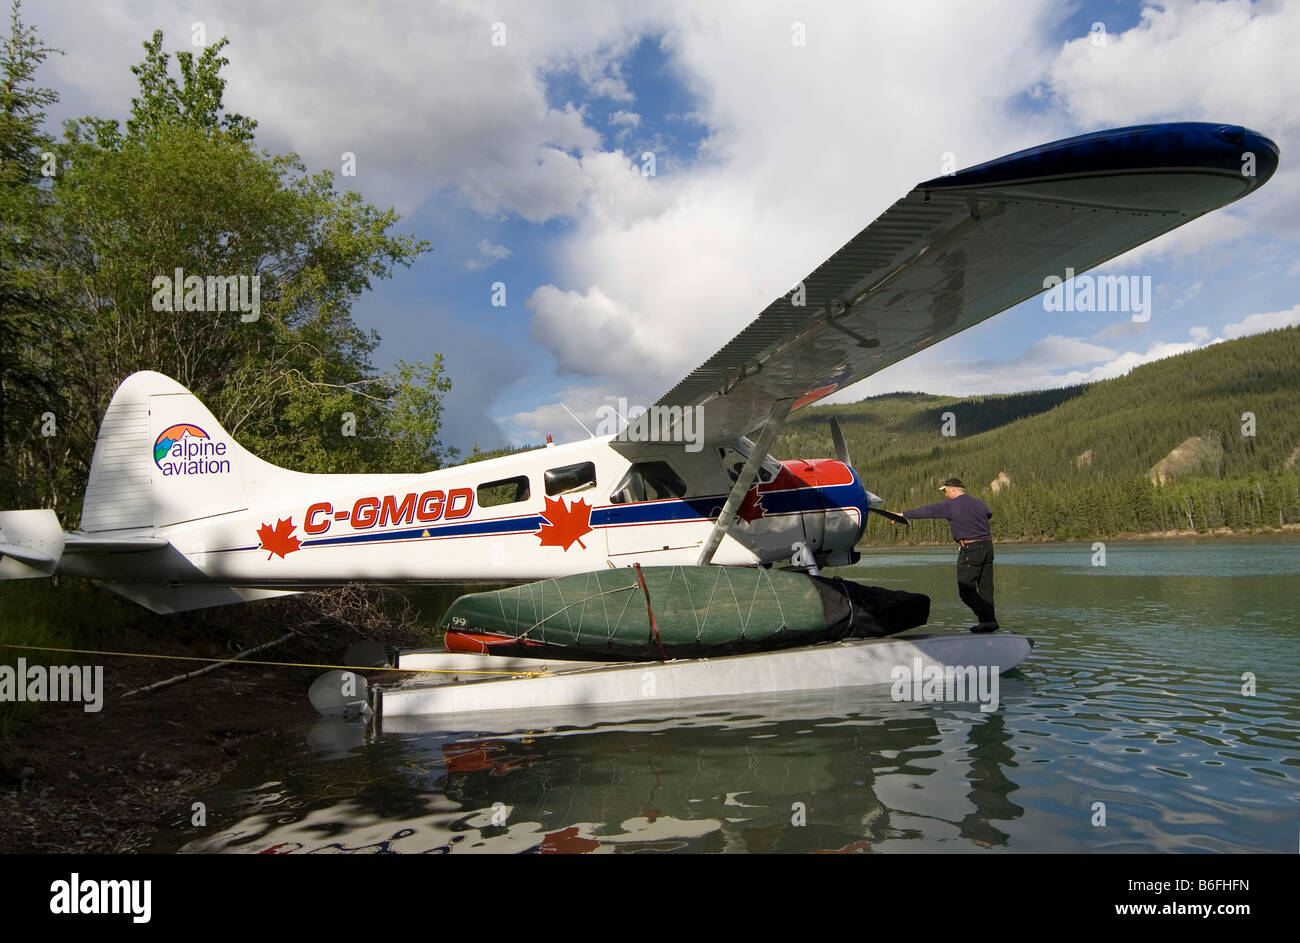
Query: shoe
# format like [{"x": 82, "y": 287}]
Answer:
[{"x": 985, "y": 627}]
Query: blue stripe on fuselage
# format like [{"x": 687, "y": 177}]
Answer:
[{"x": 646, "y": 512}]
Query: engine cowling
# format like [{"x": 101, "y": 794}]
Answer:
[{"x": 833, "y": 506}]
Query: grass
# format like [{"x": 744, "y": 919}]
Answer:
[{"x": 72, "y": 614}]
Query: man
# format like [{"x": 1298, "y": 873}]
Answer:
[{"x": 968, "y": 517}]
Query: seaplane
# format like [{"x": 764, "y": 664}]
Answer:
[{"x": 640, "y": 536}]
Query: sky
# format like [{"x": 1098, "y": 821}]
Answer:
[{"x": 643, "y": 178}]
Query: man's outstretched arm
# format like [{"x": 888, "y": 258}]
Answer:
[{"x": 930, "y": 511}]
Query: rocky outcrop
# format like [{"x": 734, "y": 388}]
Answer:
[
  {"x": 1002, "y": 481},
  {"x": 1199, "y": 455}
]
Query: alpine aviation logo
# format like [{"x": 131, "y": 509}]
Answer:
[{"x": 185, "y": 449}]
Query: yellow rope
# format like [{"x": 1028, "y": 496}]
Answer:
[{"x": 281, "y": 664}]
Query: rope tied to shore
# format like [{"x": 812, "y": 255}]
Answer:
[{"x": 237, "y": 659}]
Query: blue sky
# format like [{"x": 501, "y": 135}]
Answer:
[{"x": 521, "y": 162}]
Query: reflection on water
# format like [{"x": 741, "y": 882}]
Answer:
[{"x": 1131, "y": 704}]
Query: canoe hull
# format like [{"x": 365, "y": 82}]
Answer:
[{"x": 658, "y": 613}]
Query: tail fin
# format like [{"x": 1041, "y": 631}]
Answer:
[{"x": 162, "y": 458}]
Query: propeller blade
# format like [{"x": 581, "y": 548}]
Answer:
[
  {"x": 892, "y": 515},
  {"x": 841, "y": 448},
  {"x": 842, "y": 453}
]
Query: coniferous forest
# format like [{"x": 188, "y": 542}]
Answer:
[{"x": 1077, "y": 459}]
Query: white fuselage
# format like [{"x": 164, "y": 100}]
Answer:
[{"x": 503, "y": 520}]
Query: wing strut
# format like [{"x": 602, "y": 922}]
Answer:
[{"x": 748, "y": 473}]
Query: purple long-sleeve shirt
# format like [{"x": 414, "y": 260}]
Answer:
[{"x": 967, "y": 516}]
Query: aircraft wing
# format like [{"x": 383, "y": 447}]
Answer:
[{"x": 959, "y": 249}]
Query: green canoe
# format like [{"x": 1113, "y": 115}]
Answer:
[{"x": 654, "y": 613}]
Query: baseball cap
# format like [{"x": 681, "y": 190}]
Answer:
[{"x": 952, "y": 483}]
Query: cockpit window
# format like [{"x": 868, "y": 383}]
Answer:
[
  {"x": 648, "y": 481},
  {"x": 733, "y": 460}
]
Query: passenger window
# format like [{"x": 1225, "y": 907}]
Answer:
[
  {"x": 648, "y": 481},
  {"x": 570, "y": 478},
  {"x": 505, "y": 491}
]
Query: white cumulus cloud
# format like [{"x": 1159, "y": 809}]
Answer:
[
  {"x": 487, "y": 254},
  {"x": 1210, "y": 60},
  {"x": 1257, "y": 323}
]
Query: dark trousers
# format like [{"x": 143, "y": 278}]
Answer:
[{"x": 975, "y": 579}]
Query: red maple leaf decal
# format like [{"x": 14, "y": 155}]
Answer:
[
  {"x": 279, "y": 539},
  {"x": 751, "y": 509},
  {"x": 563, "y": 526}
]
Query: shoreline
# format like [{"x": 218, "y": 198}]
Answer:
[
  {"x": 1218, "y": 533},
  {"x": 115, "y": 780}
]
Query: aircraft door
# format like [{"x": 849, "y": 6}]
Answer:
[{"x": 645, "y": 512}]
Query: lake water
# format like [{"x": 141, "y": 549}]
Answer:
[{"x": 1136, "y": 704}]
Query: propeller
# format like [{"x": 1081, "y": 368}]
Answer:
[
  {"x": 842, "y": 454},
  {"x": 841, "y": 447},
  {"x": 892, "y": 515}
]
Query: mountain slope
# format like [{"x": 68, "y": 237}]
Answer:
[{"x": 1128, "y": 424}]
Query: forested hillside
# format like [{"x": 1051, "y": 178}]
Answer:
[{"x": 1040, "y": 441}]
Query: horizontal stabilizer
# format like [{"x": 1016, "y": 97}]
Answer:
[
  {"x": 27, "y": 554},
  {"x": 166, "y": 598},
  {"x": 99, "y": 543},
  {"x": 31, "y": 543}
]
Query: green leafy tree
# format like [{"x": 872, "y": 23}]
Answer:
[
  {"x": 412, "y": 415},
  {"x": 389, "y": 423},
  {"x": 181, "y": 187}
]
